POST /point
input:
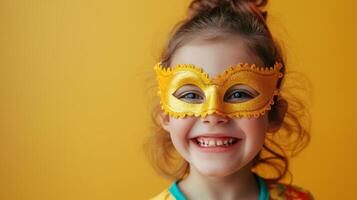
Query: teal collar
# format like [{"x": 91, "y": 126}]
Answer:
[{"x": 263, "y": 190}]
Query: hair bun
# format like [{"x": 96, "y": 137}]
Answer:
[{"x": 198, "y": 6}]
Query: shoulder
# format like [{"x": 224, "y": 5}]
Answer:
[
  {"x": 164, "y": 195},
  {"x": 280, "y": 191}
]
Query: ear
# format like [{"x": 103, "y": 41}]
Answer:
[
  {"x": 165, "y": 121},
  {"x": 277, "y": 114}
]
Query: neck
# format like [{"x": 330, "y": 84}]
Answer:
[{"x": 240, "y": 185}]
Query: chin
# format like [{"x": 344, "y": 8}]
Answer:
[{"x": 216, "y": 171}]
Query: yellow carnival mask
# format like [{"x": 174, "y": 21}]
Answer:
[{"x": 263, "y": 80}]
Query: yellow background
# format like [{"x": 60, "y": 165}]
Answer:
[{"x": 74, "y": 100}]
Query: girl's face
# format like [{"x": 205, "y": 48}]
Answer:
[{"x": 214, "y": 56}]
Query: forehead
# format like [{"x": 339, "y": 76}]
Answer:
[{"x": 214, "y": 56}]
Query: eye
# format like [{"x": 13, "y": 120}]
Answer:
[
  {"x": 190, "y": 94},
  {"x": 238, "y": 95}
]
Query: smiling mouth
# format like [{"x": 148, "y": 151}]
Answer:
[{"x": 207, "y": 142}]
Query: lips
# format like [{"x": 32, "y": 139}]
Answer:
[{"x": 216, "y": 142}]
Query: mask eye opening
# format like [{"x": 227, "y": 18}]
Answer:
[
  {"x": 240, "y": 93},
  {"x": 190, "y": 93}
]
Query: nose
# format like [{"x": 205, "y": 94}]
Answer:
[{"x": 214, "y": 119}]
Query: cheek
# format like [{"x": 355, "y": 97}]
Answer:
[
  {"x": 180, "y": 126},
  {"x": 180, "y": 129},
  {"x": 179, "y": 133},
  {"x": 254, "y": 130}
]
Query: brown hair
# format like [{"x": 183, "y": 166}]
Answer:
[{"x": 209, "y": 19}]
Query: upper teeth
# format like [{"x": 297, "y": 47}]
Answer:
[{"x": 210, "y": 142}]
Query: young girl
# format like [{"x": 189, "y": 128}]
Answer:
[{"x": 223, "y": 122}]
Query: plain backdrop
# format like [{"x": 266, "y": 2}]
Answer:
[{"x": 75, "y": 90}]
